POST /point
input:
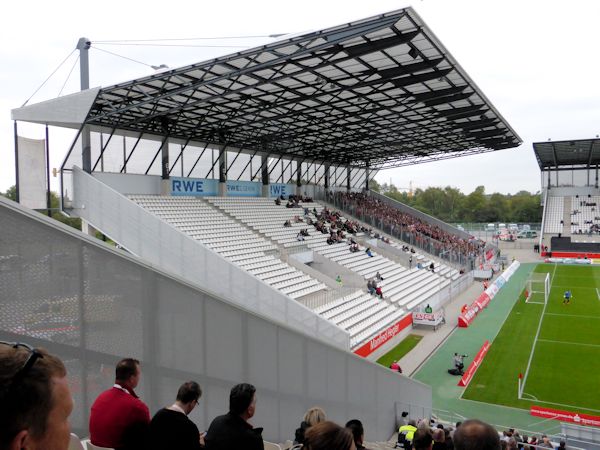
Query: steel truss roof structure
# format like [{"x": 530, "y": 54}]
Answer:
[
  {"x": 379, "y": 92},
  {"x": 553, "y": 154}
]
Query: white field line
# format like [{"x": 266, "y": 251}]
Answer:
[
  {"x": 582, "y": 316},
  {"x": 567, "y": 406},
  {"x": 536, "y": 338},
  {"x": 598, "y": 293},
  {"x": 569, "y": 343}
]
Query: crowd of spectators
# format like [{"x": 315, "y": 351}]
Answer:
[
  {"x": 371, "y": 208},
  {"x": 36, "y": 405}
]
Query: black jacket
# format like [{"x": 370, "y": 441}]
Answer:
[
  {"x": 173, "y": 430},
  {"x": 231, "y": 432}
]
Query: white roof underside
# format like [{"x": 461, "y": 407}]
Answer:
[{"x": 68, "y": 111}]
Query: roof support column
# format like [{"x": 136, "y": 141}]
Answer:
[
  {"x": 299, "y": 179},
  {"x": 83, "y": 45},
  {"x": 326, "y": 180},
  {"x": 348, "y": 172},
  {"x": 367, "y": 177},
  {"x": 264, "y": 170},
  {"x": 164, "y": 166},
  {"x": 222, "y": 171}
]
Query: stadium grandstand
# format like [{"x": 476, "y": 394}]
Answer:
[
  {"x": 249, "y": 247},
  {"x": 571, "y": 219}
]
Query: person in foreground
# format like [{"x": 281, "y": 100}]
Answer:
[
  {"x": 171, "y": 428},
  {"x": 119, "y": 419},
  {"x": 358, "y": 433},
  {"x": 476, "y": 435},
  {"x": 35, "y": 401},
  {"x": 232, "y": 430},
  {"x": 312, "y": 417},
  {"x": 328, "y": 436}
]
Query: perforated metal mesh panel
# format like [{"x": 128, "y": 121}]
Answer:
[{"x": 93, "y": 305}]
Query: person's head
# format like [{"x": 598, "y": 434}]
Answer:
[
  {"x": 314, "y": 415},
  {"x": 188, "y": 395},
  {"x": 327, "y": 436},
  {"x": 35, "y": 398},
  {"x": 439, "y": 435},
  {"x": 358, "y": 432},
  {"x": 128, "y": 373},
  {"x": 476, "y": 435},
  {"x": 242, "y": 400},
  {"x": 422, "y": 439},
  {"x": 412, "y": 422}
]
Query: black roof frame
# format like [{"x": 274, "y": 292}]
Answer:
[{"x": 379, "y": 92}]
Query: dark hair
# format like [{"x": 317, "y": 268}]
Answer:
[
  {"x": 26, "y": 405},
  {"x": 356, "y": 428},
  {"x": 188, "y": 392},
  {"x": 422, "y": 438},
  {"x": 476, "y": 435},
  {"x": 327, "y": 436},
  {"x": 126, "y": 368},
  {"x": 241, "y": 397}
]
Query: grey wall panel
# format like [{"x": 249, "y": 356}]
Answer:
[
  {"x": 105, "y": 305},
  {"x": 262, "y": 364},
  {"x": 224, "y": 343}
]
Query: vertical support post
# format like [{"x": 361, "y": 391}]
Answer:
[
  {"x": 264, "y": 169},
  {"x": 222, "y": 170},
  {"x": 16, "y": 163},
  {"x": 48, "y": 196},
  {"x": 299, "y": 179},
  {"x": 367, "y": 177},
  {"x": 348, "y": 172},
  {"x": 326, "y": 181},
  {"x": 164, "y": 163},
  {"x": 83, "y": 45},
  {"x": 124, "y": 155}
]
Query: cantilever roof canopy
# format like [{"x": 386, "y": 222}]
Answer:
[
  {"x": 583, "y": 153},
  {"x": 381, "y": 91}
]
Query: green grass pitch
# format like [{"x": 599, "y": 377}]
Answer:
[{"x": 564, "y": 371}]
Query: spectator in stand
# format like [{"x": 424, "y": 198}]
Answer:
[
  {"x": 474, "y": 434},
  {"x": 406, "y": 434},
  {"x": 119, "y": 419},
  {"x": 171, "y": 428},
  {"x": 328, "y": 436},
  {"x": 300, "y": 236},
  {"x": 533, "y": 441},
  {"x": 312, "y": 417},
  {"x": 232, "y": 430},
  {"x": 35, "y": 399},
  {"x": 395, "y": 366},
  {"x": 379, "y": 292},
  {"x": 358, "y": 432},
  {"x": 278, "y": 201},
  {"x": 410, "y": 261},
  {"x": 368, "y": 252},
  {"x": 545, "y": 442},
  {"x": 439, "y": 439},
  {"x": 448, "y": 439},
  {"x": 432, "y": 267},
  {"x": 287, "y": 223},
  {"x": 378, "y": 276},
  {"x": 562, "y": 446},
  {"x": 422, "y": 439},
  {"x": 371, "y": 287}
]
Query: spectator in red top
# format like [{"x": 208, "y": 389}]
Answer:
[{"x": 119, "y": 419}]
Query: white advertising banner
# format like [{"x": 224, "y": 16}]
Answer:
[{"x": 32, "y": 172}]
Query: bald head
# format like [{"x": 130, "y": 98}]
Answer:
[{"x": 476, "y": 435}]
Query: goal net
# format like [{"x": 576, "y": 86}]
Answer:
[{"x": 537, "y": 288}]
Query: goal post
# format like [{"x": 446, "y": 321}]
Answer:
[{"x": 537, "y": 288}]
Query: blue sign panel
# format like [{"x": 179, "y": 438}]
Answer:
[
  {"x": 277, "y": 189},
  {"x": 243, "y": 189},
  {"x": 194, "y": 186}
]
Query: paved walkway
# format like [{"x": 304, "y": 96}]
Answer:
[{"x": 429, "y": 361}]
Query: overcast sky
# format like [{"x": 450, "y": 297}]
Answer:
[{"x": 536, "y": 61}]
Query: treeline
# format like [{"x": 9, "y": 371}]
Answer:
[
  {"x": 451, "y": 205},
  {"x": 55, "y": 213}
]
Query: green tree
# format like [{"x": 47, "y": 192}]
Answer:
[{"x": 11, "y": 193}]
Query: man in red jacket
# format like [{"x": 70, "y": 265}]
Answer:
[{"x": 119, "y": 419}]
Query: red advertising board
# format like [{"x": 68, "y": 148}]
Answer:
[
  {"x": 384, "y": 336},
  {"x": 468, "y": 376},
  {"x": 565, "y": 416},
  {"x": 475, "y": 308}
]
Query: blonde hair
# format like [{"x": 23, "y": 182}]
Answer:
[{"x": 314, "y": 416}]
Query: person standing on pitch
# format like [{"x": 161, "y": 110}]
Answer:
[{"x": 567, "y": 297}]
